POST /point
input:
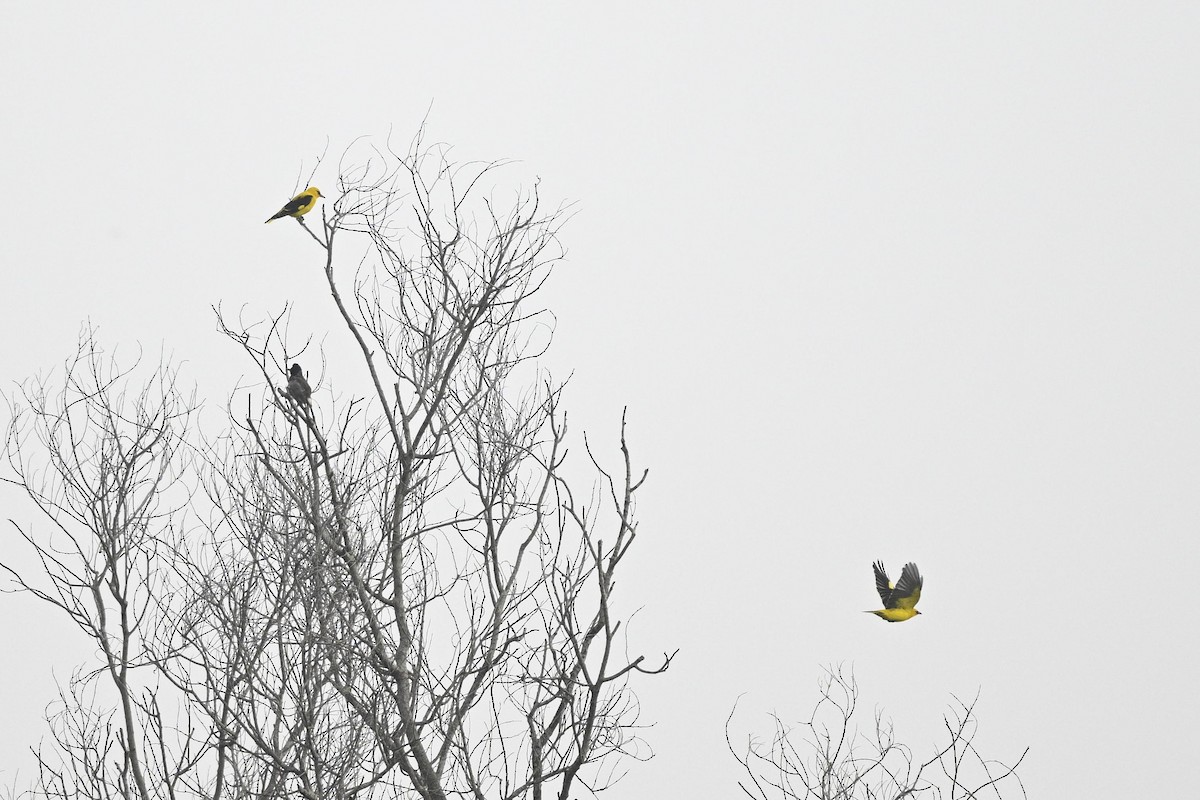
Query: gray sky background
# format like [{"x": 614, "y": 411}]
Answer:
[{"x": 910, "y": 281}]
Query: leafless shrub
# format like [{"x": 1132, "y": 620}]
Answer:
[{"x": 830, "y": 757}]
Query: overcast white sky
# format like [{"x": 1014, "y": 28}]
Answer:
[{"x": 898, "y": 280}]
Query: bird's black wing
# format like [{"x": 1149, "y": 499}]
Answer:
[
  {"x": 290, "y": 207},
  {"x": 296, "y": 203},
  {"x": 908, "y": 588},
  {"x": 882, "y": 584}
]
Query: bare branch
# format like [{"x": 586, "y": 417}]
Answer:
[{"x": 829, "y": 756}]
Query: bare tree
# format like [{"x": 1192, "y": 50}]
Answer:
[
  {"x": 398, "y": 593},
  {"x": 101, "y": 459},
  {"x": 830, "y": 758}
]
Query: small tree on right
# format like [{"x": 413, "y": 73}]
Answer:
[{"x": 830, "y": 757}]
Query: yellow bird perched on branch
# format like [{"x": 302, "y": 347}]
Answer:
[
  {"x": 299, "y": 205},
  {"x": 900, "y": 600}
]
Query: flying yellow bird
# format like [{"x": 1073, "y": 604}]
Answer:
[
  {"x": 900, "y": 600},
  {"x": 299, "y": 205}
]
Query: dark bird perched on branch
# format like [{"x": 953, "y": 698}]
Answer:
[
  {"x": 297, "y": 387},
  {"x": 899, "y": 601},
  {"x": 299, "y": 205}
]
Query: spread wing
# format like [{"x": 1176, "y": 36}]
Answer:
[
  {"x": 882, "y": 584},
  {"x": 908, "y": 588}
]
